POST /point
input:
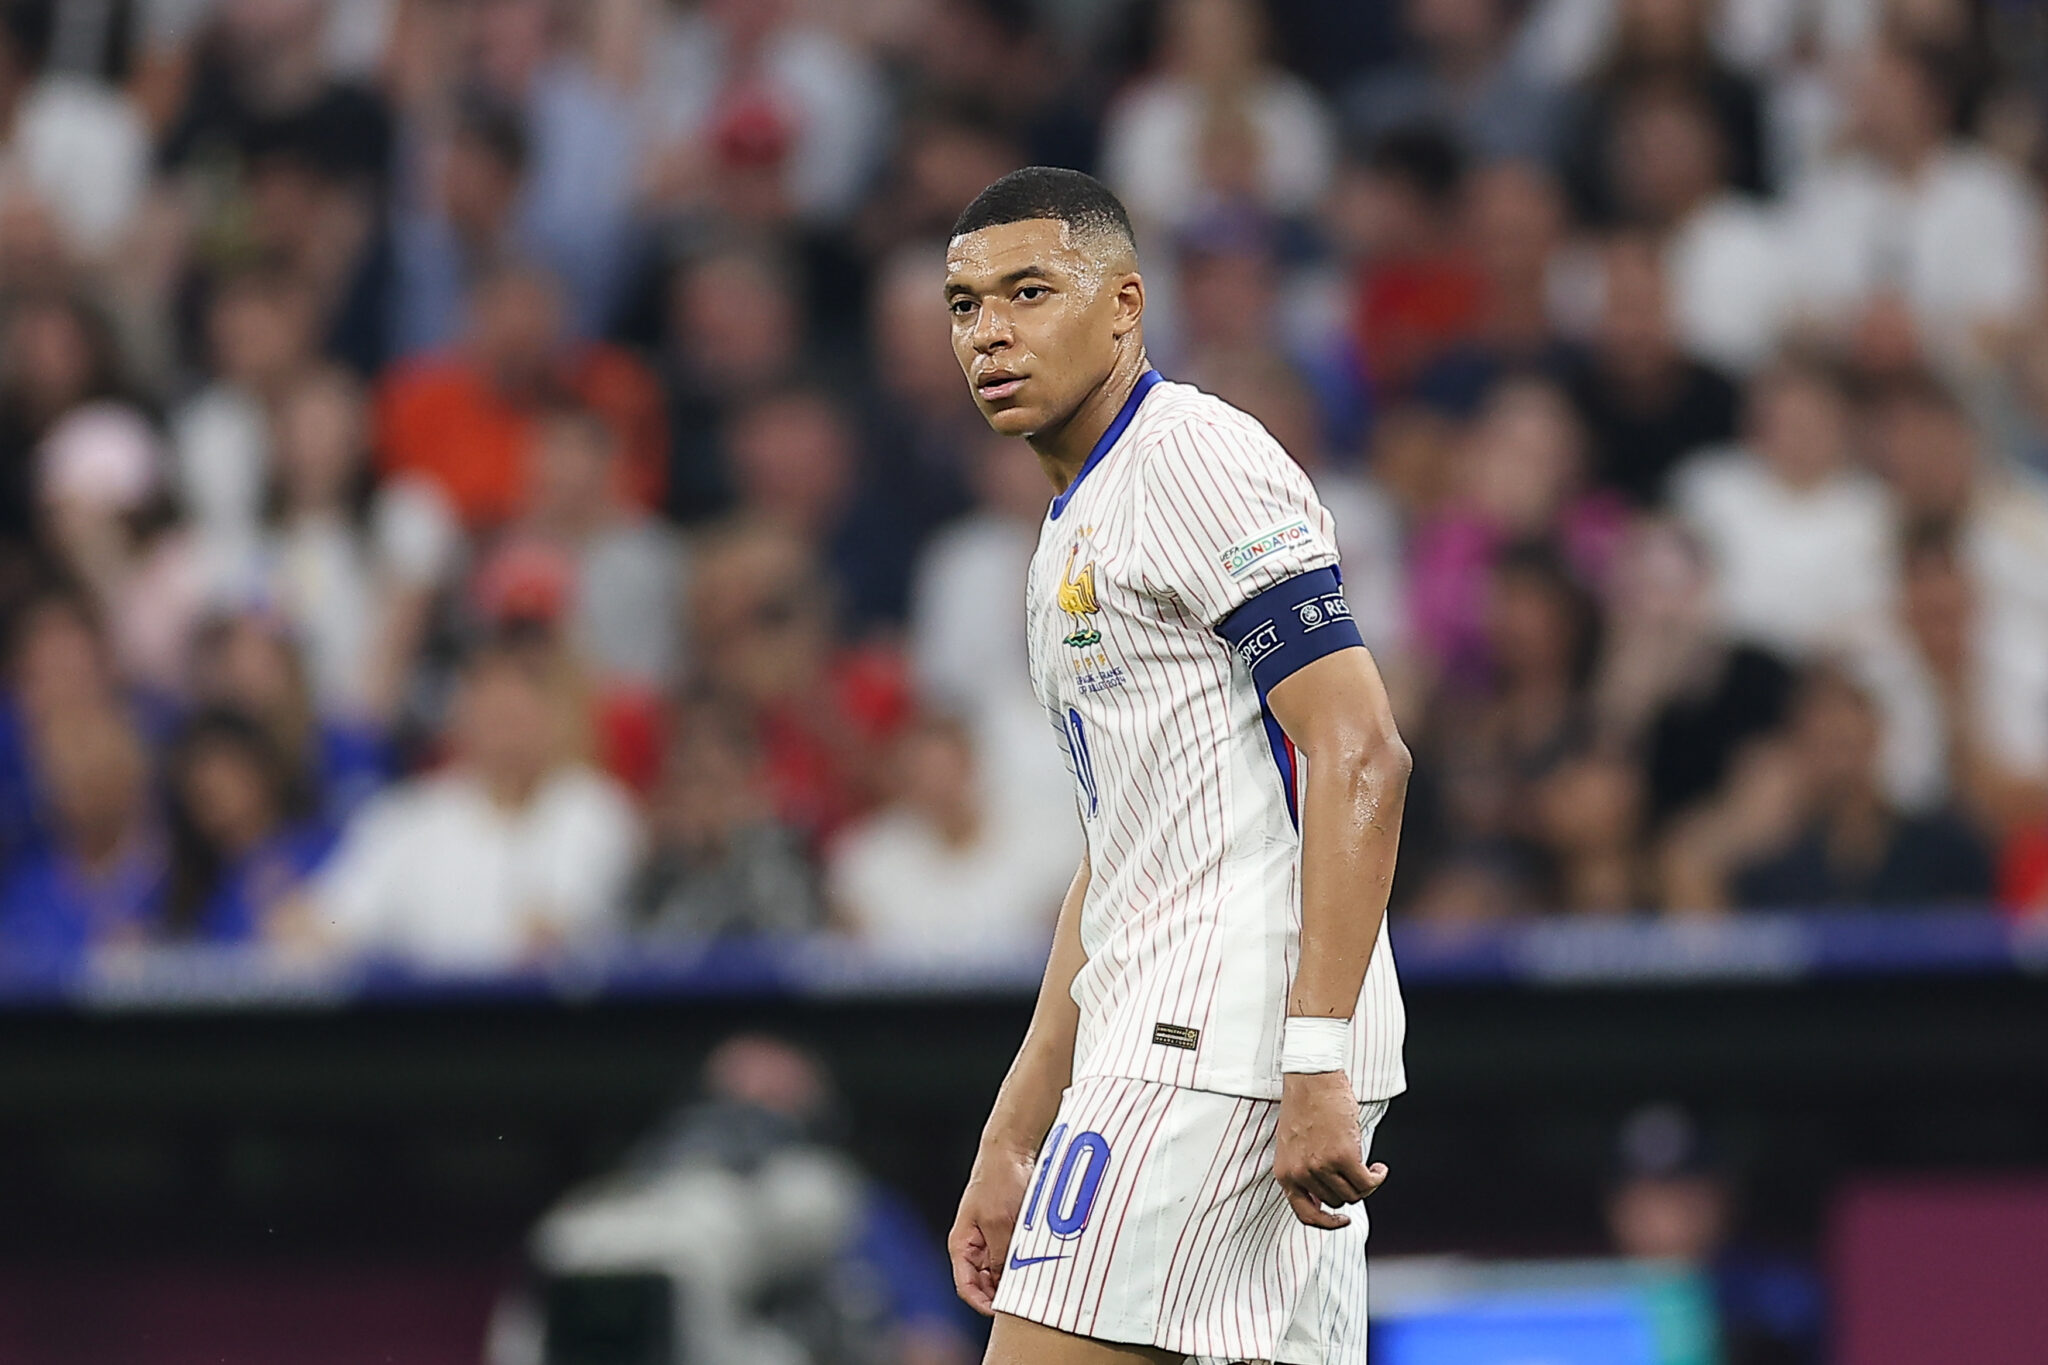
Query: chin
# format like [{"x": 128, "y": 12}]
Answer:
[{"x": 1012, "y": 421}]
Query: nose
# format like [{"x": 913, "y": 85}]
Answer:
[{"x": 991, "y": 329}]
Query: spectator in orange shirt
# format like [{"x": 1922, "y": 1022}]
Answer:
[{"x": 464, "y": 418}]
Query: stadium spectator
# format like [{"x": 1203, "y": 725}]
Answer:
[
  {"x": 578, "y": 176},
  {"x": 623, "y": 611},
  {"x": 260, "y": 333},
  {"x": 1723, "y": 251},
  {"x": 755, "y": 111},
  {"x": 920, "y": 428},
  {"x": 480, "y": 169},
  {"x": 795, "y": 461},
  {"x": 1513, "y": 218},
  {"x": 719, "y": 863},
  {"x": 462, "y": 419},
  {"x": 1463, "y": 75},
  {"x": 71, "y": 144},
  {"x": 1418, "y": 293},
  {"x": 1492, "y": 746},
  {"x": 967, "y": 631},
  {"x": 516, "y": 853},
  {"x": 1809, "y": 823},
  {"x": 1214, "y": 119},
  {"x": 1664, "y": 43},
  {"x": 249, "y": 663},
  {"x": 99, "y": 880},
  {"x": 1915, "y": 218},
  {"x": 948, "y": 853},
  {"x": 1671, "y": 685},
  {"x": 1519, "y": 472},
  {"x": 1949, "y": 488},
  {"x": 1800, "y": 540},
  {"x": 1646, "y": 403},
  {"x": 822, "y": 713},
  {"x": 111, "y": 525},
  {"x": 243, "y": 835},
  {"x": 55, "y": 354},
  {"x": 734, "y": 330},
  {"x": 353, "y": 565}
]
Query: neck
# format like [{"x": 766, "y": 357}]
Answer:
[{"x": 1062, "y": 450}]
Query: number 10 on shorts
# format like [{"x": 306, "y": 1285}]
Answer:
[{"x": 1072, "y": 1197}]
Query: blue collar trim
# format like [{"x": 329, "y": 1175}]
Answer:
[{"x": 1109, "y": 438}]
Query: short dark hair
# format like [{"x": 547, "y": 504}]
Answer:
[{"x": 1080, "y": 201}]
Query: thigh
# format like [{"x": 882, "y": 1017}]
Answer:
[{"x": 1020, "y": 1341}]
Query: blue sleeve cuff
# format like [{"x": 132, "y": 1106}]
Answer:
[{"x": 1289, "y": 626}]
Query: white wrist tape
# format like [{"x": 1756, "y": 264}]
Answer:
[{"x": 1314, "y": 1045}]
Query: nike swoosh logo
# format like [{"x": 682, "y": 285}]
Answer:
[{"x": 1019, "y": 1262}]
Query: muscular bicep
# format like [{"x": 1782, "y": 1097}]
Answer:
[{"x": 1336, "y": 704}]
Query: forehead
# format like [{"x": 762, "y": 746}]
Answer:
[{"x": 989, "y": 253}]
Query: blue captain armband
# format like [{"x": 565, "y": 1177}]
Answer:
[{"x": 1289, "y": 626}]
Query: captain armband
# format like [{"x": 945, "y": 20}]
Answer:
[{"x": 1289, "y": 626}]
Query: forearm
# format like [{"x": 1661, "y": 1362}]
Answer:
[
  {"x": 1030, "y": 1094},
  {"x": 1350, "y": 832}
]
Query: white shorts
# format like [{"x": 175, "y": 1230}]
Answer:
[{"x": 1153, "y": 1218}]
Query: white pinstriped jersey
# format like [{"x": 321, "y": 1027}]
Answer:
[{"x": 1187, "y": 790}]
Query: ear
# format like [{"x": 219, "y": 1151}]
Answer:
[{"x": 1130, "y": 305}]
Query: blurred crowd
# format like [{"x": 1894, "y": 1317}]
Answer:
[{"x": 483, "y": 478}]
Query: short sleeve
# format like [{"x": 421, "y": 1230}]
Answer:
[{"x": 1224, "y": 515}]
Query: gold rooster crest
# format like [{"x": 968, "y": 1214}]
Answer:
[{"x": 1077, "y": 591}]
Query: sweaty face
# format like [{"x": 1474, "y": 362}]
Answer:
[{"x": 1038, "y": 320}]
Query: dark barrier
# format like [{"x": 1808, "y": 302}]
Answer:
[{"x": 207, "y": 1106}]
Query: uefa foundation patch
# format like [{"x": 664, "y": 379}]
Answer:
[{"x": 1239, "y": 558}]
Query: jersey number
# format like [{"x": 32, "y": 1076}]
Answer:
[
  {"x": 1073, "y": 1190},
  {"x": 1084, "y": 765}
]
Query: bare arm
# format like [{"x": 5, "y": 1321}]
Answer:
[
  {"x": 1023, "y": 1112},
  {"x": 1336, "y": 712}
]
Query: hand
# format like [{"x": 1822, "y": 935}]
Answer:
[
  {"x": 980, "y": 1238},
  {"x": 1321, "y": 1161}
]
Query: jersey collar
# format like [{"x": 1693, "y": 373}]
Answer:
[{"x": 1108, "y": 439}]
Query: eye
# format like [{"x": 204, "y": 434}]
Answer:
[
  {"x": 1031, "y": 293},
  {"x": 960, "y": 308}
]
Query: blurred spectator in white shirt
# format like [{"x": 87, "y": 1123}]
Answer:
[
  {"x": 1215, "y": 100},
  {"x": 78, "y": 146},
  {"x": 1915, "y": 217},
  {"x": 1722, "y": 249},
  {"x": 353, "y": 565},
  {"x": 1799, "y": 540},
  {"x": 1982, "y": 534},
  {"x": 967, "y": 636},
  {"x": 515, "y": 853},
  {"x": 259, "y": 332},
  {"x": 948, "y": 872}
]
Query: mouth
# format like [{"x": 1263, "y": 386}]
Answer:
[{"x": 993, "y": 385}]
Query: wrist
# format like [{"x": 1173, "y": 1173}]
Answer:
[{"x": 1311, "y": 1045}]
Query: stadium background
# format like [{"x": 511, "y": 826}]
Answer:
[{"x": 505, "y": 595}]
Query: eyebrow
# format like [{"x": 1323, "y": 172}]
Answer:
[{"x": 955, "y": 287}]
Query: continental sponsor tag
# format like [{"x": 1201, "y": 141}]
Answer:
[{"x": 1238, "y": 560}]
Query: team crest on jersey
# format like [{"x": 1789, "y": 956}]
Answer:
[
  {"x": 1076, "y": 595},
  {"x": 1238, "y": 559}
]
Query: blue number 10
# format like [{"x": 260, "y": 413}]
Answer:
[{"x": 1075, "y": 1187}]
